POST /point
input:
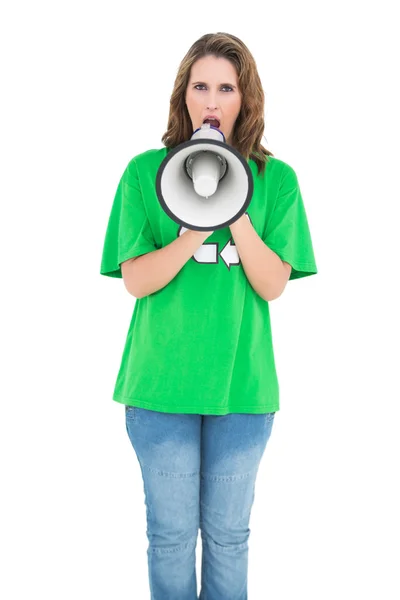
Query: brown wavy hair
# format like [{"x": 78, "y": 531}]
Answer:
[{"x": 249, "y": 125}]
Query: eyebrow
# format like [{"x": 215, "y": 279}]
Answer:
[{"x": 202, "y": 83}]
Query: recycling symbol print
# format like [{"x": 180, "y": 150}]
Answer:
[{"x": 209, "y": 252}]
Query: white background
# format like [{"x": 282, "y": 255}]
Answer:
[{"x": 85, "y": 87}]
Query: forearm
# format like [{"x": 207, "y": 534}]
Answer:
[
  {"x": 263, "y": 267},
  {"x": 153, "y": 271}
]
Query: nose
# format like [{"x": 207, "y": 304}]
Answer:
[{"x": 212, "y": 104}]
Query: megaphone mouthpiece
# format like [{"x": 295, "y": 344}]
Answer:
[{"x": 206, "y": 173}]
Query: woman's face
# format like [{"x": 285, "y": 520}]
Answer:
[{"x": 213, "y": 89}]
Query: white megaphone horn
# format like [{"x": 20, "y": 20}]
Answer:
[{"x": 204, "y": 184}]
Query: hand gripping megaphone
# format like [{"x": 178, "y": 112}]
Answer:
[{"x": 204, "y": 184}]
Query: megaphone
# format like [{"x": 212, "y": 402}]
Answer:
[{"x": 204, "y": 184}]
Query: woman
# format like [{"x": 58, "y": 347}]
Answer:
[{"x": 197, "y": 375}]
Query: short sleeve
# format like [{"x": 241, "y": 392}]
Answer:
[
  {"x": 288, "y": 233},
  {"x": 128, "y": 232}
]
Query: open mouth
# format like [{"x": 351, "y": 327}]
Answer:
[{"x": 213, "y": 122}]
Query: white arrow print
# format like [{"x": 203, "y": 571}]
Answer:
[
  {"x": 208, "y": 252},
  {"x": 229, "y": 254}
]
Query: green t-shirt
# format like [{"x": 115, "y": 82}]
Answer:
[{"x": 203, "y": 343}]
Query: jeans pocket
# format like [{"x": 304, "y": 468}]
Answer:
[{"x": 130, "y": 412}]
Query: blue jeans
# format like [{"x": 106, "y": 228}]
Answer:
[{"x": 198, "y": 471}]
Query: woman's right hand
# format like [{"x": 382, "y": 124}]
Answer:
[{"x": 202, "y": 234}]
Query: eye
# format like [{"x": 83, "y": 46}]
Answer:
[{"x": 224, "y": 87}]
